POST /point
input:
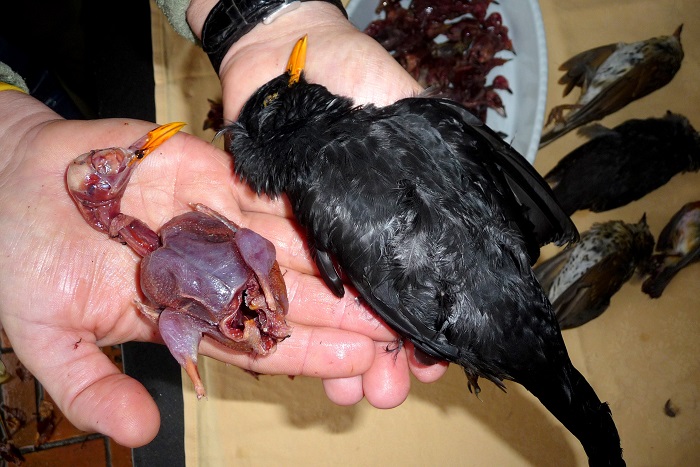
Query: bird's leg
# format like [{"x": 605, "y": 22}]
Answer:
[
  {"x": 556, "y": 115},
  {"x": 473, "y": 383},
  {"x": 181, "y": 333}
]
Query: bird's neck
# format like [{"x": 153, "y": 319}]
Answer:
[
  {"x": 312, "y": 121},
  {"x": 289, "y": 148},
  {"x": 313, "y": 106}
]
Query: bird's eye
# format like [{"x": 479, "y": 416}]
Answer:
[{"x": 269, "y": 99}]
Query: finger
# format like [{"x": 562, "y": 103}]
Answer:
[
  {"x": 425, "y": 368},
  {"x": 311, "y": 303},
  {"x": 344, "y": 391},
  {"x": 94, "y": 395},
  {"x": 316, "y": 352},
  {"x": 387, "y": 383}
]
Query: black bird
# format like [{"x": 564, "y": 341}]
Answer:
[
  {"x": 581, "y": 280},
  {"x": 610, "y": 77},
  {"x": 678, "y": 246},
  {"x": 435, "y": 221},
  {"x": 623, "y": 164}
]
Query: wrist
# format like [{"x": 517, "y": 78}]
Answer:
[
  {"x": 340, "y": 57},
  {"x": 231, "y": 20},
  {"x": 197, "y": 13},
  {"x": 262, "y": 53},
  {"x": 276, "y": 39}
]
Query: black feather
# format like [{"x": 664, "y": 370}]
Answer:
[{"x": 625, "y": 163}]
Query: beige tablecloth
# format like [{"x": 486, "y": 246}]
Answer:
[{"x": 638, "y": 355}]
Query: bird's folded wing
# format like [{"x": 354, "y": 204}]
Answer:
[
  {"x": 329, "y": 271},
  {"x": 581, "y": 68},
  {"x": 589, "y": 296},
  {"x": 547, "y": 271},
  {"x": 384, "y": 301},
  {"x": 549, "y": 221}
]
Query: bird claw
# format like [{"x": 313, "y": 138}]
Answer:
[
  {"x": 473, "y": 385},
  {"x": 556, "y": 115},
  {"x": 397, "y": 345}
]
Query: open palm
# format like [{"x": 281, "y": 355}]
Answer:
[{"x": 68, "y": 290}]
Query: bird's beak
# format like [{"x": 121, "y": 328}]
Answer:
[
  {"x": 153, "y": 139},
  {"x": 678, "y": 31},
  {"x": 297, "y": 60}
]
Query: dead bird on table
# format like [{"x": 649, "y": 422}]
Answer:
[
  {"x": 678, "y": 247},
  {"x": 612, "y": 76},
  {"x": 623, "y": 164},
  {"x": 581, "y": 280}
]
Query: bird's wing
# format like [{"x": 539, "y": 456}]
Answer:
[
  {"x": 577, "y": 305},
  {"x": 609, "y": 100},
  {"x": 581, "y": 68},
  {"x": 329, "y": 271},
  {"x": 602, "y": 145},
  {"x": 549, "y": 221},
  {"x": 637, "y": 82},
  {"x": 548, "y": 270},
  {"x": 589, "y": 296},
  {"x": 384, "y": 300}
]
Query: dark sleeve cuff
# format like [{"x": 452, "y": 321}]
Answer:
[{"x": 230, "y": 20}]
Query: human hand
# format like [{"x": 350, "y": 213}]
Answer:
[
  {"x": 64, "y": 282},
  {"x": 340, "y": 57},
  {"x": 350, "y": 63}
]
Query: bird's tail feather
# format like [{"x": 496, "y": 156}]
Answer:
[
  {"x": 554, "y": 134},
  {"x": 580, "y": 410}
]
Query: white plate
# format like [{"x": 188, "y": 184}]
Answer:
[{"x": 526, "y": 71}]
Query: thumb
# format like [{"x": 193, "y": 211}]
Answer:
[{"x": 95, "y": 396}]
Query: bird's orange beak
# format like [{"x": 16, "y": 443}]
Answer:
[
  {"x": 297, "y": 60},
  {"x": 155, "y": 138}
]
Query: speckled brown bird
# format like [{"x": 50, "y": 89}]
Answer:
[
  {"x": 581, "y": 280},
  {"x": 612, "y": 76}
]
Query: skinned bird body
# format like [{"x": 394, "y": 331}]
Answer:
[{"x": 436, "y": 222}]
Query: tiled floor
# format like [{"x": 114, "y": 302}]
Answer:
[{"x": 39, "y": 432}]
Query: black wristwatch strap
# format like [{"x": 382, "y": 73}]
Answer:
[{"x": 230, "y": 20}]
